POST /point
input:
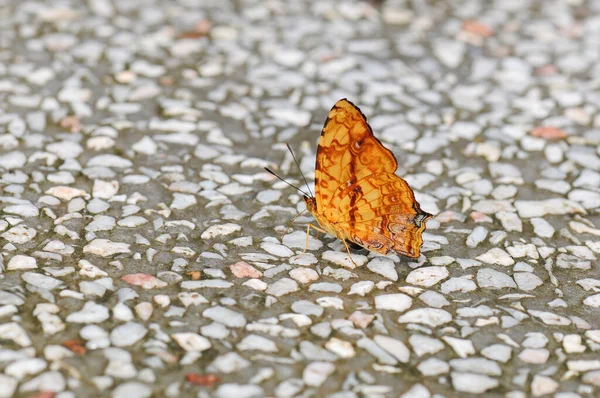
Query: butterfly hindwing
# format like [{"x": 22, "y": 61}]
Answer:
[{"x": 382, "y": 214}]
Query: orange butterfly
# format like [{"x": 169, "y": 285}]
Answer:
[{"x": 358, "y": 198}]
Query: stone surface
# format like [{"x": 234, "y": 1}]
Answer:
[{"x": 146, "y": 250}]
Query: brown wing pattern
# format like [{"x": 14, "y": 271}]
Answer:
[
  {"x": 381, "y": 214},
  {"x": 357, "y": 193}
]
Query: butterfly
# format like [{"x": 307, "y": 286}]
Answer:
[{"x": 358, "y": 197}]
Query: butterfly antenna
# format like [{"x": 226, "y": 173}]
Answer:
[
  {"x": 301, "y": 173},
  {"x": 281, "y": 179}
]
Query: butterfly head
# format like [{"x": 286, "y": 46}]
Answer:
[{"x": 311, "y": 203}]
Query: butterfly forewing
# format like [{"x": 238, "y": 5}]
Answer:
[{"x": 347, "y": 151}]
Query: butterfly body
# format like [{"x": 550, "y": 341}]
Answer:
[{"x": 358, "y": 198}]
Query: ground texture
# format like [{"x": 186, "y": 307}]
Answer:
[{"x": 145, "y": 251}]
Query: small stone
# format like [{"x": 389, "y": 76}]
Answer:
[
  {"x": 220, "y": 230},
  {"x": 183, "y": 201},
  {"x": 433, "y": 367},
  {"x": 343, "y": 349},
  {"x": 488, "y": 278},
  {"x": 340, "y": 258},
  {"x": 282, "y": 287},
  {"x": 395, "y": 302},
  {"x": 543, "y": 385},
  {"x": 473, "y": 383},
  {"x": 191, "y": 342},
  {"x": 497, "y": 352},
  {"x": 229, "y": 390},
  {"x": 20, "y": 261},
  {"x": 434, "y": 299},
  {"x": 394, "y": 347},
  {"x": 462, "y": 347},
  {"x": 427, "y": 316},
  {"x": 534, "y": 355},
  {"x": 21, "y": 368},
  {"x": 427, "y": 276},
  {"x": 527, "y": 281},
  {"x": 127, "y": 334},
  {"x": 244, "y": 270},
  {"x": 362, "y": 288},
  {"x": 90, "y": 313},
  {"x": 384, "y": 267},
  {"x": 254, "y": 342},
  {"x": 41, "y": 281},
  {"x": 132, "y": 389},
  {"x": 304, "y": 275},
  {"x": 294, "y": 116},
  {"x": 229, "y": 363},
  {"x": 425, "y": 345},
  {"x": 540, "y": 208},
  {"x": 496, "y": 256},
  {"x": 144, "y": 280},
  {"x": 417, "y": 391},
  {"x": 276, "y": 249},
  {"x": 106, "y": 248},
  {"x": 361, "y": 319},
  {"x": 316, "y": 373},
  {"x": 225, "y": 316}
]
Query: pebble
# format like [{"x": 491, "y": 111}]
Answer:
[
  {"x": 461, "y": 347},
  {"x": 543, "y": 385},
  {"x": 106, "y": 248},
  {"x": 25, "y": 367},
  {"x": 427, "y": 276},
  {"x": 225, "y": 316},
  {"x": 540, "y": 208},
  {"x": 41, "y": 281},
  {"x": 527, "y": 281},
  {"x": 297, "y": 239},
  {"x": 395, "y": 302},
  {"x": 384, "y": 267},
  {"x": 427, "y": 316},
  {"x": 239, "y": 390},
  {"x": 473, "y": 383},
  {"x": 363, "y": 288},
  {"x": 220, "y": 230},
  {"x": 497, "y": 352},
  {"x": 21, "y": 262},
  {"x": 191, "y": 342},
  {"x": 477, "y": 236},
  {"x": 258, "y": 343},
  {"x": 90, "y": 313},
  {"x": 434, "y": 299},
  {"x": 489, "y": 278},
  {"x": 496, "y": 256},
  {"x": 394, "y": 347},
  {"x": 340, "y": 258},
  {"x": 304, "y": 275},
  {"x": 127, "y": 334},
  {"x": 542, "y": 228},
  {"x": 316, "y": 373}
]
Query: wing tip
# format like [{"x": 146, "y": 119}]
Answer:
[{"x": 345, "y": 103}]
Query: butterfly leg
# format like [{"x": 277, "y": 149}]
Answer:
[
  {"x": 308, "y": 227},
  {"x": 292, "y": 223},
  {"x": 349, "y": 254}
]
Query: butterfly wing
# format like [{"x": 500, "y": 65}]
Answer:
[
  {"x": 347, "y": 151},
  {"x": 382, "y": 215},
  {"x": 356, "y": 191}
]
